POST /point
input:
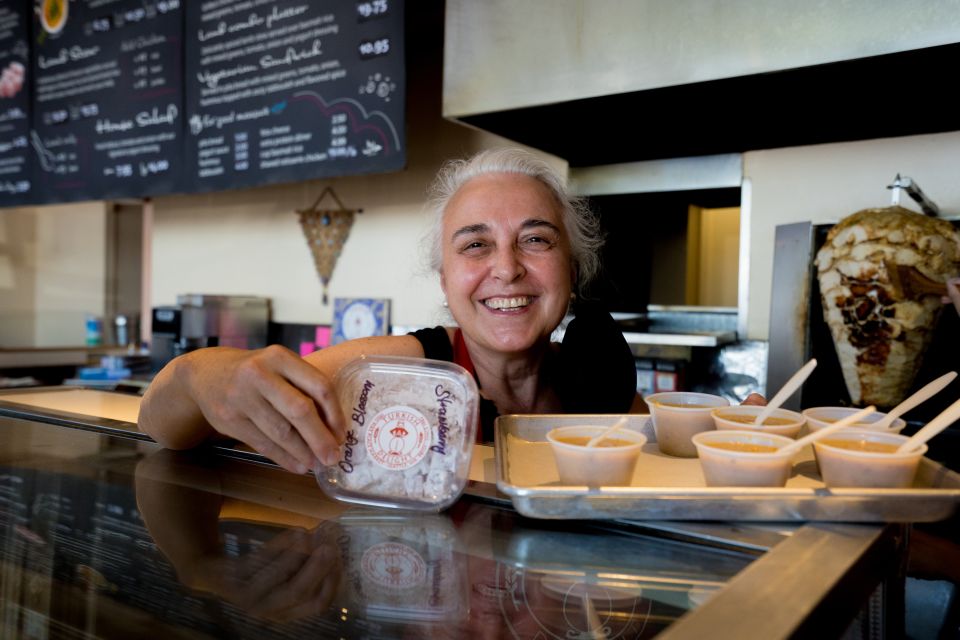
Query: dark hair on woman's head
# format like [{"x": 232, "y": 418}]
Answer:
[{"x": 581, "y": 225}]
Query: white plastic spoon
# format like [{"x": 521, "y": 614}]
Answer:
[
  {"x": 928, "y": 391},
  {"x": 935, "y": 426},
  {"x": 595, "y": 440},
  {"x": 787, "y": 390},
  {"x": 795, "y": 446}
]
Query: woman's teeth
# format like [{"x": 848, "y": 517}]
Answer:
[{"x": 507, "y": 303}]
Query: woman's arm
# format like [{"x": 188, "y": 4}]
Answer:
[
  {"x": 639, "y": 406},
  {"x": 282, "y": 405}
]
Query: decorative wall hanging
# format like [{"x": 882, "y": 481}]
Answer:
[{"x": 326, "y": 231}]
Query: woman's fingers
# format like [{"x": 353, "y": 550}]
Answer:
[
  {"x": 300, "y": 412},
  {"x": 953, "y": 293},
  {"x": 282, "y": 445},
  {"x": 306, "y": 591},
  {"x": 292, "y": 404},
  {"x": 307, "y": 378},
  {"x": 755, "y": 399}
]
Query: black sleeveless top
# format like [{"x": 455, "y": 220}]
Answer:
[{"x": 593, "y": 372}]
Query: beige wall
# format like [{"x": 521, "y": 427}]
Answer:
[
  {"x": 51, "y": 273},
  {"x": 824, "y": 183}
]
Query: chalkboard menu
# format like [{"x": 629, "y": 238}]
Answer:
[
  {"x": 108, "y": 100},
  {"x": 15, "y": 178},
  {"x": 292, "y": 89}
]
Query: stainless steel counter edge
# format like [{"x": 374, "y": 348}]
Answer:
[{"x": 834, "y": 568}]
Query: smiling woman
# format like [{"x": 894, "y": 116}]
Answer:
[{"x": 510, "y": 247}]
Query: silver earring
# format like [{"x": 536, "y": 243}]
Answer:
[{"x": 445, "y": 305}]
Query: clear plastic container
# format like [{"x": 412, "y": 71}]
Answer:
[{"x": 412, "y": 426}]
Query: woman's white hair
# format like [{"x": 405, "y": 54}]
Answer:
[{"x": 581, "y": 225}]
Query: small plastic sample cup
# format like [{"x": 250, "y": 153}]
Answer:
[
  {"x": 820, "y": 417},
  {"x": 866, "y": 459},
  {"x": 743, "y": 458},
  {"x": 782, "y": 422},
  {"x": 610, "y": 463},
  {"x": 678, "y": 416},
  {"x": 412, "y": 426}
]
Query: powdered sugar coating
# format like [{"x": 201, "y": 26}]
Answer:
[{"x": 411, "y": 434}]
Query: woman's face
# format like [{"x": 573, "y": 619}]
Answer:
[{"x": 506, "y": 268}]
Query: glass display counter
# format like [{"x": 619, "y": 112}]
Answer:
[{"x": 104, "y": 534}]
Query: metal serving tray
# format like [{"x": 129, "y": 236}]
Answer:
[{"x": 669, "y": 488}]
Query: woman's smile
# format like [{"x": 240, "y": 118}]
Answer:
[{"x": 515, "y": 303}]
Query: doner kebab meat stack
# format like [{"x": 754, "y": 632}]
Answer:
[{"x": 881, "y": 336}]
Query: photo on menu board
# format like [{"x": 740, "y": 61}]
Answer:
[
  {"x": 293, "y": 90},
  {"x": 107, "y": 110},
  {"x": 15, "y": 165}
]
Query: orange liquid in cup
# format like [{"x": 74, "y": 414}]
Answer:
[
  {"x": 772, "y": 421},
  {"x": 746, "y": 447},
  {"x": 581, "y": 441},
  {"x": 862, "y": 445}
]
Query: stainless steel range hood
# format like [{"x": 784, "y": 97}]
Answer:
[{"x": 600, "y": 81}]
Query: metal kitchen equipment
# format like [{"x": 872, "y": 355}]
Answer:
[
  {"x": 164, "y": 336},
  {"x": 913, "y": 190},
  {"x": 203, "y": 320},
  {"x": 221, "y": 320}
]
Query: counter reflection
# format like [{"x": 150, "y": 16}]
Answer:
[
  {"x": 476, "y": 571},
  {"x": 183, "y": 545}
]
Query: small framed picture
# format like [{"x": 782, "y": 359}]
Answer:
[{"x": 359, "y": 318}]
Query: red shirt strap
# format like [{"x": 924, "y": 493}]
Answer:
[
  {"x": 462, "y": 357},
  {"x": 460, "y": 354}
]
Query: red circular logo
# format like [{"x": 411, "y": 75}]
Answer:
[{"x": 398, "y": 438}]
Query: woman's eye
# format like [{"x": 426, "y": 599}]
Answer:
[
  {"x": 473, "y": 246},
  {"x": 537, "y": 241}
]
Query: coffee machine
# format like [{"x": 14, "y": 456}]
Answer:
[{"x": 204, "y": 320}]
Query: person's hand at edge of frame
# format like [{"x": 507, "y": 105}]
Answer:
[
  {"x": 755, "y": 399},
  {"x": 953, "y": 293}
]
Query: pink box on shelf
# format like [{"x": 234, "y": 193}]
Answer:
[{"x": 322, "y": 338}]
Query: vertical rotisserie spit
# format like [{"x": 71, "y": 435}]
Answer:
[{"x": 880, "y": 329}]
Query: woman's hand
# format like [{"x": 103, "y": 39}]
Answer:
[
  {"x": 953, "y": 293},
  {"x": 755, "y": 399},
  {"x": 282, "y": 405},
  {"x": 294, "y": 575},
  {"x": 270, "y": 398}
]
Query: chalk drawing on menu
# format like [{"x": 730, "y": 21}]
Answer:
[
  {"x": 45, "y": 156},
  {"x": 371, "y": 147}
]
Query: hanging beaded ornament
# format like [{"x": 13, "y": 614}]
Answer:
[{"x": 326, "y": 231}]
